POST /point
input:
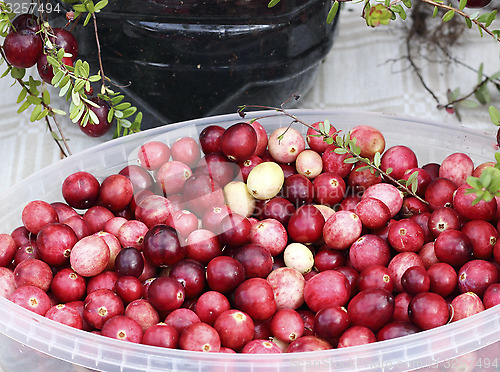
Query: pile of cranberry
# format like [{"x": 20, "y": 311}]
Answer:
[
  {"x": 244, "y": 242},
  {"x": 23, "y": 47}
]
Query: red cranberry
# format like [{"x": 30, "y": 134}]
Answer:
[
  {"x": 80, "y": 190},
  {"x": 415, "y": 280},
  {"x": 306, "y": 225},
  {"x": 406, "y": 235},
  {"x": 37, "y": 214},
  {"x": 328, "y": 259},
  {"x": 483, "y": 237},
  {"x": 396, "y": 329},
  {"x": 330, "y": 322},
  {"x": 68, "y": 286},
  {"x": 234, "y": 230},
  {"x": 308, "y": 343},
  {"x": 129, "y": 288},
  {"x": 55, "y": 242},
  {"x": 327, "y": 288},
  {"x": 261, "y": 346},
  {"x": 375, "y": 276},
  {"x": 153, "y": 154},
  {"x": 162, "y": 335},
  {"x": 143, "y": 313},
  {"x": 22, "y": 48},
  {"x": 235, "y": 329},
  {"x": 491, "y": 296},
  {"x": 141, "y": 179},
  {"x": 65, "y": 315},
  {"x": 443, "y": 279},
  {"x": 129, "y": 262},
  {"x": 33, "y": 272},
  {"x": 465, "y": 305},
  {"x": 8, "y": 249},
  {"x": 186, "y": 150},
  {"x": 191, "y": 274},
  {"x": 428, "y": 310},
  {"x": 166, "y": 294},
  {"x": 65, "y": 40},
  {"x": 356, "y": 335},
  {"x": 256, "y": 298},
  {"x": 104, "y": 280},
  {"x": 121, "y": 327},
  {"x": 476, "y": 276},
  {"x": 442, "y": 219},
  {"x": 210, "y": 305},
  {"x": 369, "y": 250},
  {"x": 31, "y": 298},
  {"x": 101, "y": 305},
  {"x": 239, "y": 141},
  {"x": 161, "y": 246},
  {"x": 200, "y": 337},
  {"x": 453, "y": 247},
  {"x": 298, "y": 189},
  {"x": 256, "y": 260},
  {"x": 103, "y": 125},
  {"x": 439, "y": 193},
  {"x": 372, "y": 308},
  {"x": 210, "y": 138},
  {"x": 180, "y": 319},
  {"x": 278, "y": 208}
]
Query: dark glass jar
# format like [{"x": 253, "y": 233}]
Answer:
[{"x": 185, "y": 59}]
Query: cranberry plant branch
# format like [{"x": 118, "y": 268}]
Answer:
[{"x": 345, "y": 145}]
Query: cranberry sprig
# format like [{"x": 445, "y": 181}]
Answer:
[
  {"x": 345, "y": 145},
  {"x": 382, "y": 12},
  {"x": 54, "y": 51},
  {"x": 485, "y": 187}
]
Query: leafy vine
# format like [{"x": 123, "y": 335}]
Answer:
[{"x": 74, "y": 82}]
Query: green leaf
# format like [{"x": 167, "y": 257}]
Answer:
[
  {"x": 491, "y": 18},
  {"x": 93, "y": 117},
  {"x": 364, "y": 167},
  {"x": 388, "y": 170},
  {"x": 79, "y": 85},
  {"x": 125, "y": 123},
  {"x": 36, "y": 111},
  {"x": 58, "y": 112},
  {"x": 57, "y": 77},
  {"x": 79, "y": 8},
  {"x": 117, "y": 99},
  {"x": 23, "y": 107},
  {"x": 376, "y": 159},
  {"x": 101, "y": 4},
  {"x": 17, "y": 73},
  {"x": 43, "y": 114},
  {"x": 22, "y": 95},
  {"x": 118, "y": 114},
  {"x": 468, "y": 22},
  {"x": 469, "y": 103},
  {"x": 435, "y": 12},
  {"x": 111, "y": 114},
  {"x": 94, "y": 78},
  {"x": 60, "y": 54},
  {"x": 494, "y": 115},
  {"x": 129, "y": 112},
  {"x": 448, "y": 15},
  {"x": 53, "y": 61},
  {"x": 332, "y": 13},
  {"x": 65, "y": 88},
  {"x": 407, "y": 3},
  {"x": 462, "y": 4},
  {"x": 87, "y": 19},
  {"x": 272, "y": 3},
  {"x": 75, "y": 97},
  {"x": 46, "y": 97},
  {"x": 33, "y": 100},
  {"x": 123, "y": 106},
  {"x": 340, "y": 151},
  {"x": 350, "y": 160}
]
